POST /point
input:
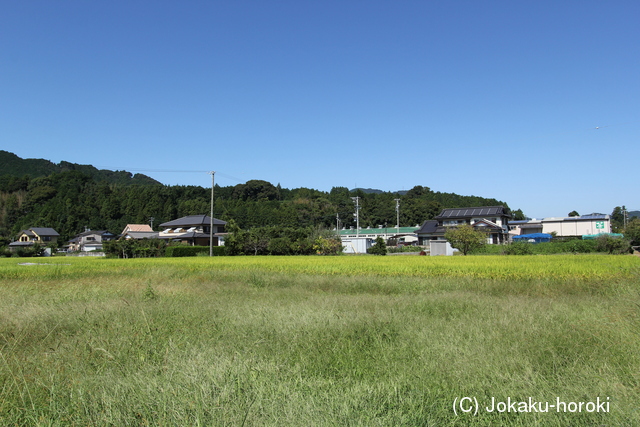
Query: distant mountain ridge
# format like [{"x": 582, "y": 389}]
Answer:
[{"x": 11, "y": 164}]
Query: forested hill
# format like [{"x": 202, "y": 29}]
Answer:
[
  {"x": 71, "y": 200},
  {"x": 12, "y": 165}
]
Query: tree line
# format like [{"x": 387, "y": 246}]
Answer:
[{"x": 71, "y": 201}]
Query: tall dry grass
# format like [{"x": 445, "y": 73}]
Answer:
[{"x": 308, "y": 341}]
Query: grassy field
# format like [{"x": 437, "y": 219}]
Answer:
[{"x": 320, "y": 341}]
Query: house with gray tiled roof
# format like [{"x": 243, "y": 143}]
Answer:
[
  {"x": 90, "y": 240},
  {"x": 194, "y": 230},
  {"x": 42, "y": 235},
  {"x": 494, "y": 220}
]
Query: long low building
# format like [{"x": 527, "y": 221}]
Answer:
[
  {"x": 571, "y": 226},
  {"x": 403, "y": 235}
]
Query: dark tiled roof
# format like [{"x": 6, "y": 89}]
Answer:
[
  {"x": 428, "y": 227},
  {"x": 17, "y": 244},
  {"x": 193, "y": 220},
  {"x": 44, "y": 231},
  {"x": 482, "y": 211},
  {"x": 102, "y": 233}
]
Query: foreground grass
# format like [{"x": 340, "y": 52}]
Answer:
[{"x": 317, "y": 341}]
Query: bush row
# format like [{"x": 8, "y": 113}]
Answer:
[
  {"x": 605, "y": 244},
  {"x": 182, "y": 251}
]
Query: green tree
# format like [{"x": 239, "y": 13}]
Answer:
[
  {"x": 518, "y": 215},
  {"x": 574, "y": 213},
  {"x": 234, "y": 242},
  {"x": 379, "y": 248},
  {"x": 465, "y": 238},
  {"x": 256, "y": 189},
  {"x": 617, "y": 218},
  {"x": 327, "y": 245},
  {"x": 632, "y": 232}
]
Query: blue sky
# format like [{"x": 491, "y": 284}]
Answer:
[{"x": 536, "y": 104}]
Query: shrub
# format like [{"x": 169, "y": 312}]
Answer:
[
  {"x": 279, "y": 246},
  {"x": 403, "y": 248},
  {"x": 129, "y": 248},
  {"x": 185, "y": 251},
  {"x": 518, "y": 248},
  {"x": 612, "y": 245}
]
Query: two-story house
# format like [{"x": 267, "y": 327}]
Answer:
[
  {"x": 90, "y": 240},
  {"x": 194, "y": 230},
  {"x": 493, "y": 220},
  {"x": 42, "y": 235}
]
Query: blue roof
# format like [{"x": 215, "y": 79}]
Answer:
[{"x": 534, "y": 236}]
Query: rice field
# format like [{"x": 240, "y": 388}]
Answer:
[
  {"x": 557, "y": 267},
  {"x": 387, "y": 341}
]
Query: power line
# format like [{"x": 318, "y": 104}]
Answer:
[{"x": 169, "y": 171}]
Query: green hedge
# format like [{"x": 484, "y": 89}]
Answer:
[
  {"x": 180, "y": 251},
  {"x": 544, "y": 248}
]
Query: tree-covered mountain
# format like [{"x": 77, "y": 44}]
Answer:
[
  {"x": 70, "y": 200},
  {"x": 12, "y": 165}
]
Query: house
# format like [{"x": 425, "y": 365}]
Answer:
[
  {"x": 493, "y": 220},
  {"x": 90, "y": 240},
  {"x": 194, "y": 230},
  {"x": 27, "y": 238},
  {"x": 427, "y": 232},
  {"x": 138, "y": 232},
  {"x": 145, "y": 228},
  {"x": 572, "y": 226}
]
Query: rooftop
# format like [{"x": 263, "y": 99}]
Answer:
[
  {"x": 383, "y": 230},
  {"x": 481, "y": 211},
  {"x": 193, "y": 220}
]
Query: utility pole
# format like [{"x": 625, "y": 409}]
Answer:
[
  {"x": 397, "y": 215},
  {"x": 213, "y": 174},
  {"x": 151, "y": 221},
  {"x": 356, "y": 200}
]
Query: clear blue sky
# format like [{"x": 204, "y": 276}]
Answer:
[{"x": 533, "y": 103}]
